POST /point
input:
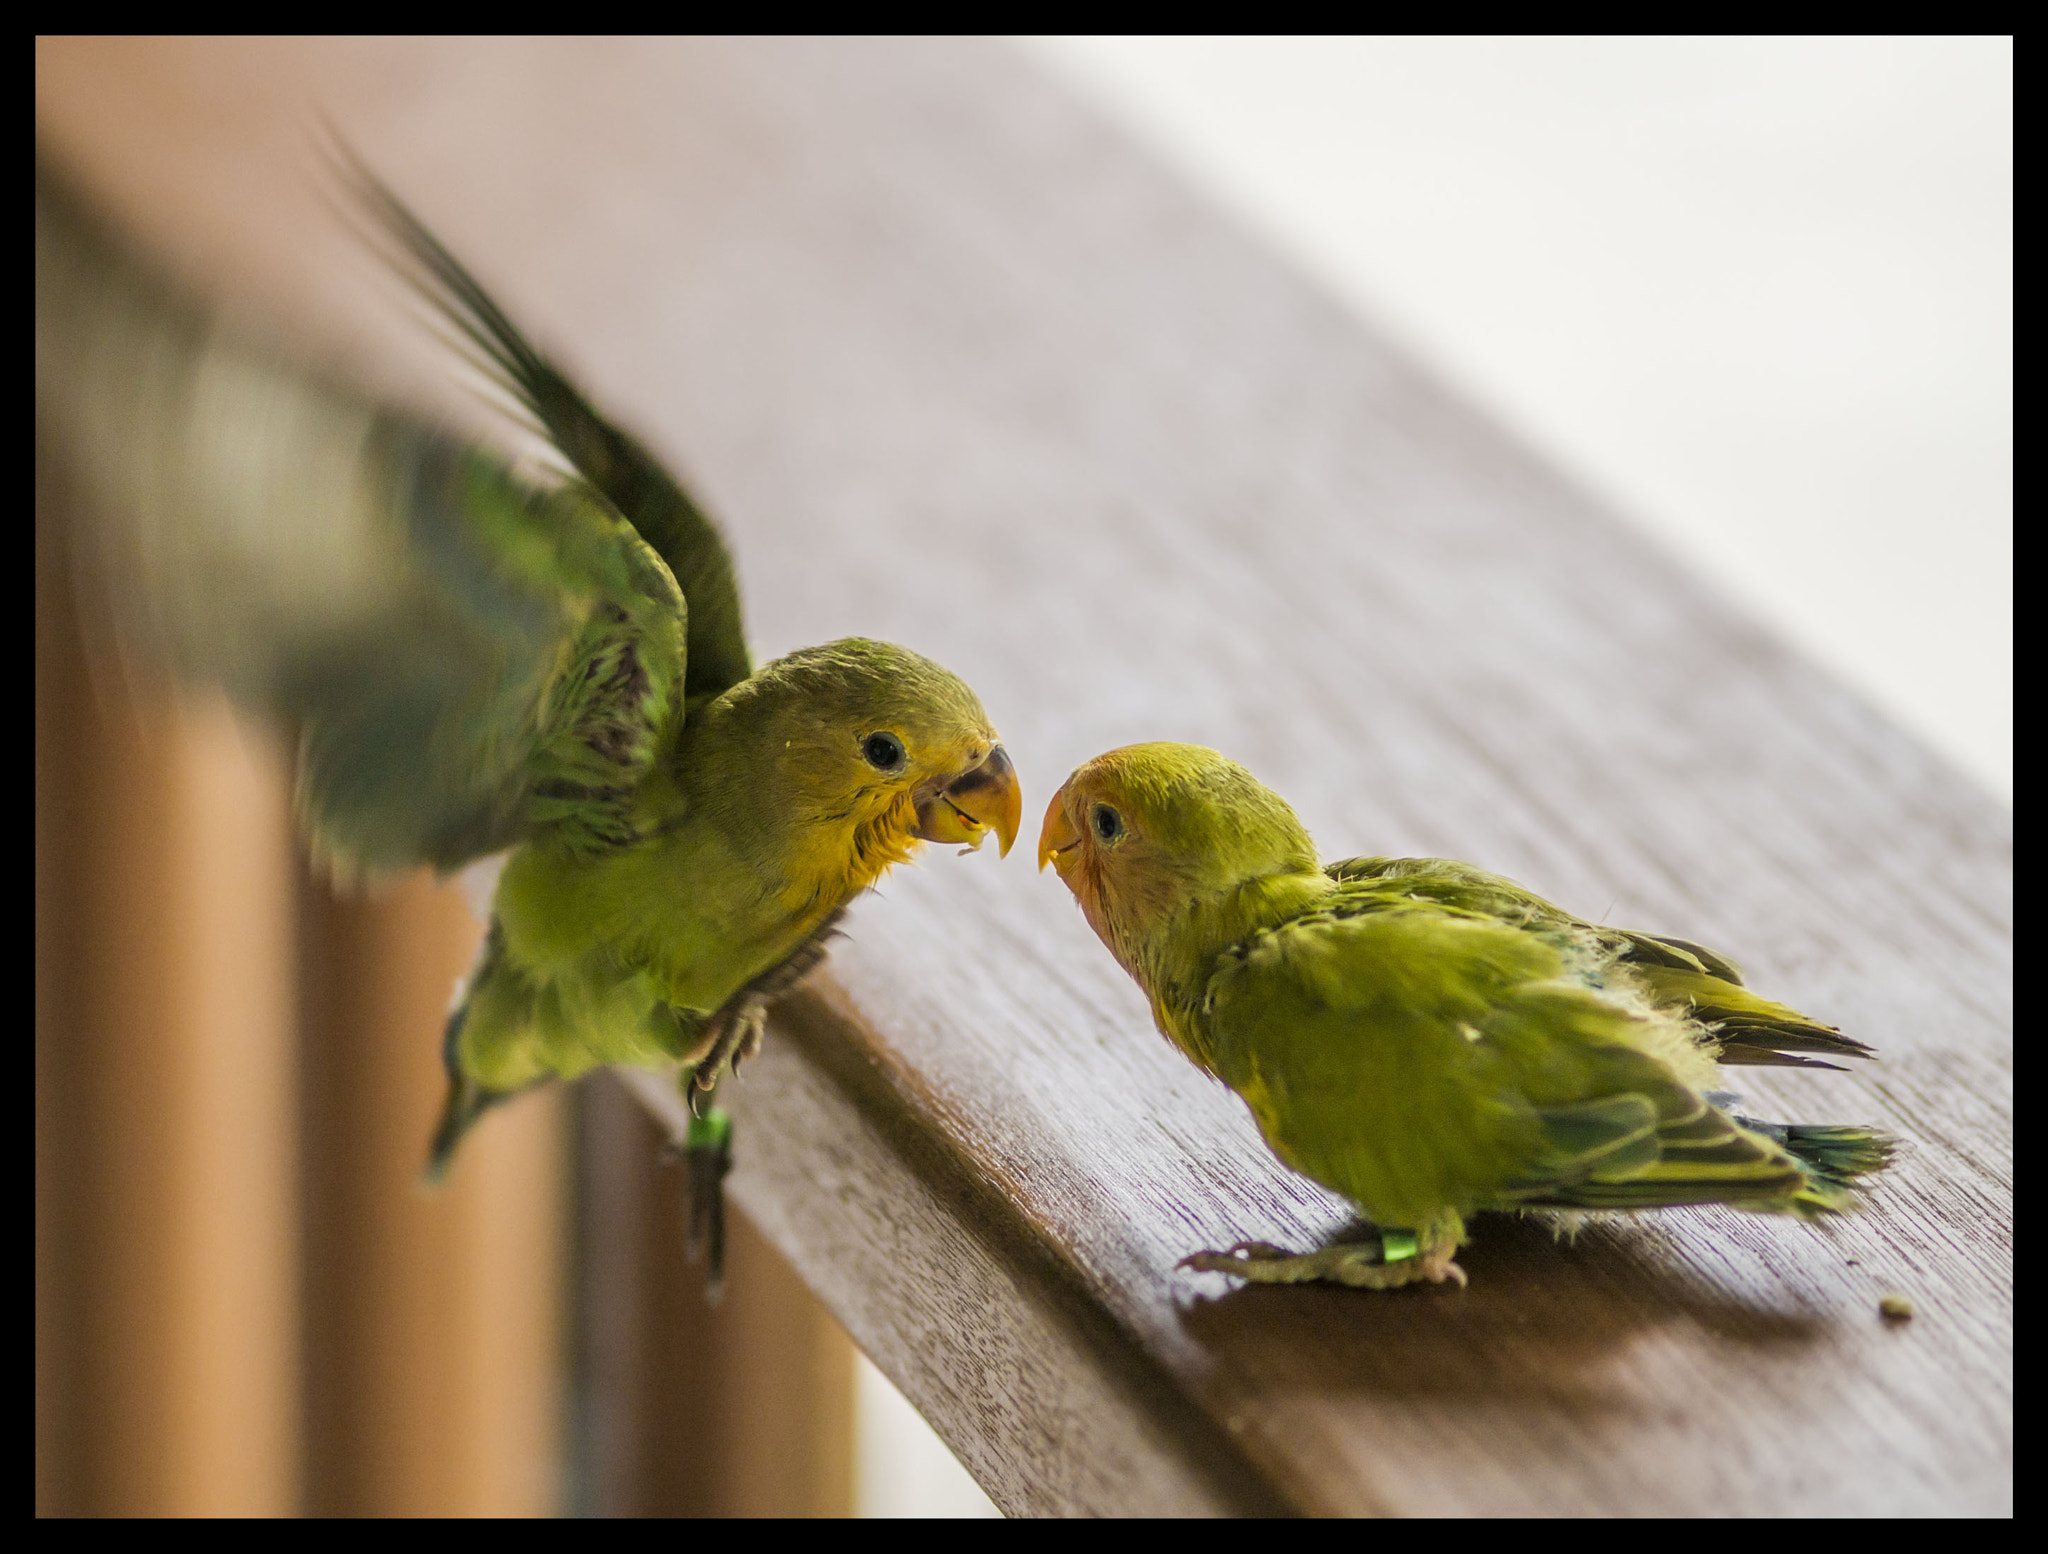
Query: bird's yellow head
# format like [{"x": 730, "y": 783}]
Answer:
[
  {"x": 1143, "y": 833},
  {"x": 874, "y": 749}
]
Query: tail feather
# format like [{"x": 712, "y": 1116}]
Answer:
[
  {"x": 1807, "y": 1169},
  {"x": 1836, "y": 1157},
  {"x": 467, "y": 1100}
]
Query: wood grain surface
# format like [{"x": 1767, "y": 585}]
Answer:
[{"x": 958, "y": 366}]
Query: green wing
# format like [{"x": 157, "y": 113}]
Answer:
[
  {"x": 469, "y": 658},
  {"x": 1750, "y": 1029},
  {"x": 1448, "y": 883},
  {"x": 1675, "y": 974},
  {"x": 607, "y": 457},
  {"x": 1422, "y": 1060}
]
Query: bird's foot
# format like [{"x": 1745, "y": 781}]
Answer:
[
  {"x": 754, "y": 1025},
  {"x": 738, "y": 1038},
  {"x": 707, "y": 1146},
  {"x": 1385, "y": 1260}
]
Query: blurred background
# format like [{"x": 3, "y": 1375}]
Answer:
[{"x": 1758, "y": 292}]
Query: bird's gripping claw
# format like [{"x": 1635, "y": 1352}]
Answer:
[
  {"x": 738, "y": 1038},
  {"x": 1382, "y": 1260}
]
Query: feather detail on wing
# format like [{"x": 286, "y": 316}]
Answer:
[
  {"x": 1748, "y": 1029},
  {"x": 612, "y": 461},
  {"x": 1419, "y": 1058},
  {"x": 467, "y": 657},
  {"x": 1672, "y": 973}
]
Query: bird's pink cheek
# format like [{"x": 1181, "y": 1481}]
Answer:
[{"x": 1092, "y": 909}]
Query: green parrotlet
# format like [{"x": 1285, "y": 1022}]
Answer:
[
  {"x": 1424, "y": 1038},
  {"x": 478, "y": 659}
]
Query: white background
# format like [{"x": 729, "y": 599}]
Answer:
[{"x": 1757, "y": 293}]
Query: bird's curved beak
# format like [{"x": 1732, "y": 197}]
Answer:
[
  {"x": 982, "y": 799},
  {"x": 1058, "y": 837}
]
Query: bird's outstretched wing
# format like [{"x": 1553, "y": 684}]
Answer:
[
  {"x": 614, "y": 462},
  {"x": 468, "y": 656}
]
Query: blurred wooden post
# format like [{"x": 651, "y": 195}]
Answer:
[
  {"x": 166, "y": 1298},
  {"x": 433, "y": 1338},
  {"x": 745, "y": 1409},
  {"x": 170, "y": 1221}
]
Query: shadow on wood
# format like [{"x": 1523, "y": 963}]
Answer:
[{"x": 1542, "y": 1321}]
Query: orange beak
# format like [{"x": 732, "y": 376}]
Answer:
[
  {"x": 1059, "y": 838},
  {"x": 981, "y": 799}
]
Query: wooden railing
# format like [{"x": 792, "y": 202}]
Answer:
[{"x": 957, "y": 366}]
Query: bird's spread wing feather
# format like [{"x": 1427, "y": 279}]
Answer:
[
  {"x": 635, "y": 482},
  {"x": 467, "y": 656}
]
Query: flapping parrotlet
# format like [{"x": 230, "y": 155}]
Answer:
[
  {"x": 1426, "y": 1039},
  {"x": 477, "y": 659}
]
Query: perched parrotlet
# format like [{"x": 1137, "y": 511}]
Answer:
[
  {"x": 1424, "y": 1038},
  {"x": 478, "y": 659}
]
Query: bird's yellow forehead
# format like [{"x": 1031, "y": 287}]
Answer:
[
  {"x": 839, "y": 693},
  {"x": 1192, "y": 808},
  {"x": 1156, "y": 782}
]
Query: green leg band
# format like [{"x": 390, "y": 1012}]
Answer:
[{"x": 707, "y": 1147}]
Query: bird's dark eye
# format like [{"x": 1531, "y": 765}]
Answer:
[
  {"x": 1109, "y": 825},
  {"x": 884, "y": 752}
]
